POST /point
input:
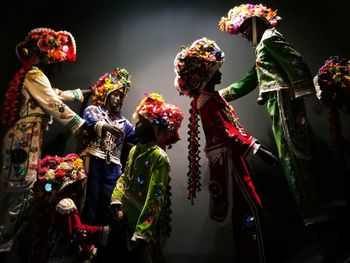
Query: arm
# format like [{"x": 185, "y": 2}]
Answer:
[
  {"x": 70, "y": 95},
  {"x": 40, "y": 89},
  {"x": 130, "y": 136},
  {"x": 95, "y": 119},
  {"x": 119, "y": 189},
  {"x": 67, "y": 220},
  {"x": 118, "y": 192},
  {"x": 220, "y": 122},
  {"x": 154, "y": 203},
  {"x": 241, "y": 87}
]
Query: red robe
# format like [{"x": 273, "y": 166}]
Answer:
[{"x": 232, "y": 193}]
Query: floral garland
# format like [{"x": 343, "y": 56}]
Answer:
[
  {"x": 334, "y": 83},
  {"x": 54, "y": 173},
  {"x": 237, "y": 15},
  {"x": 47, "y": 45},
  {"x": 157, "y": 112},
  {"x": 195, "y": 65},
  {"x": 109, "y": 82}
]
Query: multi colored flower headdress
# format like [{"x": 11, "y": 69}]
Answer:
[
  {"x": 196, "y": 65},
  {"x": 55, "y": 173},
  {"x": 118, "y": 79},
  {"x": 157, "y": 112},
  {"x": 334, "y": 82},
  {"x": 48, "y": 46},
  {"x": 237, "y": 15},
  {"x": 42, "y": 45}
]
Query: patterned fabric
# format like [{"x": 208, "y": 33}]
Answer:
[
  {"x": 102, "y": 144},
  {"x": 222, "y": 127},
  {"x": 22, "y": 144},
  {"x": 279, "y": 65},
  {"x": 232, "y": 194},
  {"x": 143, "y": 190},
  {"x": 283, "y": 79}
]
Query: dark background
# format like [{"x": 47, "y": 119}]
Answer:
[{"x": 144, "y": 37}]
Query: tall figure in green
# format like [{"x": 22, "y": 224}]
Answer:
[{"x": 284, "y": 80}]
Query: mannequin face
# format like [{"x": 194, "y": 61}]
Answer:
[
  {"x": 115, "y": 101},
  {"x": 144, "y": 130},
  {"x": 215, "y": 80},
  {"x": 246, "y": 30}
]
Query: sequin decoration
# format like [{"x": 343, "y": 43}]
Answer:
[
  {"x": 140, "y": 180},
  {"x": 146, "y": 164},
  {"x": 249, "y": 222},
  {"x": 48, "y": 187}
]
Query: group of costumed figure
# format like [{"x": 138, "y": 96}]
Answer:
[{"x": 91, "y": 205}]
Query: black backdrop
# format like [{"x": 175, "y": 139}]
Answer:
[{"x": 144, "y": 37}]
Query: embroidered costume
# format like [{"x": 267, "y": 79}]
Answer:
[
  {"x": 283, "y": 79},
  {"x": 103, "y": 151},
  {"x": 59, "y": 232},
  {"x": 232, "y": 194},
  {"x": 29, "y": 105},
  {"x": 143, "y": 190}
]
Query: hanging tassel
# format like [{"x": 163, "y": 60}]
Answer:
[{"x": 193, "y": 174}]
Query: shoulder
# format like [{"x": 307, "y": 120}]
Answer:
[
  {"x": 162, "y": 155},
  {"x": 202, "y": 99},
  {"x": 35, "y": 74},
  {"x": 271, "y": 34},
  {"x": 66, "y": 206},
  {"x": 92, "y": 109}
]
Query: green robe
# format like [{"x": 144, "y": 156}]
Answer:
[
  {"x": 283, "y": 79},
  {"x": 144, "y": 192}
]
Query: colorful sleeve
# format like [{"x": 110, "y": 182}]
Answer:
[
  {"x": 242, "y": 87},
  {"x": 148, "y": 220},
  {"x": 92, "y": 115},
  {"x": 221, "y": 122},
  {"x": 130, "y": 135},
  {"x": 118, "y": 191},
  {"x": 70, "y": 95},
  {"x": 40, "y": 89}
]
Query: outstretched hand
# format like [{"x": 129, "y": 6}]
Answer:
[
  {"x": 113, "y": 130},
  {"x": 267, "y": 156},
  {"x": 86, "y": 92}
]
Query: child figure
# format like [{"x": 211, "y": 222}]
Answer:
[
  {"x": 142, "y": 193},
  {"x": 108, "y": 132},
  {"x": 284, "y": 80},
  {"x": 59, "y": 232},
  {"x": 232, "y": 193}
]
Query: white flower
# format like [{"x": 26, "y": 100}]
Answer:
[
  {"x": 64, "y": 166},
  {"x": 50, "y": 175}
]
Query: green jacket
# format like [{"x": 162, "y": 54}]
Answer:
[
  {"x": 278, "y": 66},
  {"x": 143, "y": 191}
]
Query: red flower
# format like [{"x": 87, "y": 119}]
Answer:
[{"x": 60, "y": 173}]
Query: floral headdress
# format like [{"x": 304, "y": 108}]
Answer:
[
  {"x": 237, "y": 15},
  {"x": 196, "y": 65},
  {"x": 118, "y": 79},
  {"x": 55, "y": 173},
  {"x": 46, "y": 45},
  {"x": 157, "y": 112},
  {"x": 334, "y": 82},
  {"x": 42, "y": 45}
]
